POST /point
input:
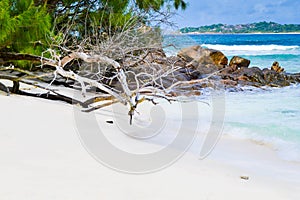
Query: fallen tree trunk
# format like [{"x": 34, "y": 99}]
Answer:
[
  {"x": 4, "y": 89},
  {"x": 106, "y": 95}
]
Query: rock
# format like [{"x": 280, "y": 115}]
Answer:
[
  {"x": 239, "y": 72},
  {"x": 269, "y": 75},
  {"x": 190, "y": 73},
  {"x": 244, "y": 177},
  {"x": 229, "y": 82},
  {"x": 276, "y": 79},
  {"x": 175, "y": 60},
  {"x": 243, "y": 78},
  {"x": 207, "y": 69},
  {"x": 157, "y": 56},
  {"x": 275, "y": 67},
  {"x": 166, "y": 80},
  {"x": 203, "y": 56},
  {"x": 195, "y": 62},
  {"x": 293, "y": 78},
  {"x": 227, "y": 70},
  {"x": 186, "y": 93},
  {"x": 237, "y": 62},
  {"x": 282, "y": 83},
  {"x": 253, "y": 74},
  {"x": 170, "y": 79}
]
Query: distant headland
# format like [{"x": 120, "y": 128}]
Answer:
[{"x": 258, "y": 27}]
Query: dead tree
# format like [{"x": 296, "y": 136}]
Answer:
[{"x": 129, "y": 67}]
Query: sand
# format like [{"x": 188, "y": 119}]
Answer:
[{"x": 42, "y": 157}]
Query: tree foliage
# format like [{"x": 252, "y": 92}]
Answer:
[
  {"x": 262, "y": 27},
  {"x": 27, "y": 24},
  {"x": 24, "y": 26},
  {"x": 105, "y": 49}
]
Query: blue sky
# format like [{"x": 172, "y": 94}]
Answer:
[{"x": 206, "y": 12}]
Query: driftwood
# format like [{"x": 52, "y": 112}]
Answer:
[
  {"x": 105, "y": 94},
  {"x": 4, "y": 89}
]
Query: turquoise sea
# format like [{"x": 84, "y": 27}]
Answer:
[{"x": 270, "y": 116}]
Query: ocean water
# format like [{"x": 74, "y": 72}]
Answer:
[{"x": 269, "y": 116}]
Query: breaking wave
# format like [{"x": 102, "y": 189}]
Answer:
[{"x": 254, "y": 49}]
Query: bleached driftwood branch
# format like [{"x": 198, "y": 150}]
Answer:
[{"x": 147, "y": 89}]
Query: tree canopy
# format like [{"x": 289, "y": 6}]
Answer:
[
  {"x": 261, "y": 27},
  {"x": 108, "y": 51},
  {"x": 26, "y": 25},
  {"x": 23, "y": 26}
]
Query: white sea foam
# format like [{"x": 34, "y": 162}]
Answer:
[
  {"x": 250, "y": 47},
  {"x": 254, "y": 49},
  {"x": 267, "y": 117},
  {"x": 286, "y": 150},
  {"x": 230, "y": 50}
]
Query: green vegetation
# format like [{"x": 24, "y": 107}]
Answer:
[
  {"x": 112, "y": 48},
  {"x": 260, "y": 27},
  {"x": 23, "y": 26},
  {"x": 30, "y": 26}
]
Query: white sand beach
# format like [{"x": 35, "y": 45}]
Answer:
[{"x": 42, "y": 158}]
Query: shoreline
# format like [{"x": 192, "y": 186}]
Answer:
[
  {"x": 254, "y": 33},
  {"x": 39, "y": 157}
]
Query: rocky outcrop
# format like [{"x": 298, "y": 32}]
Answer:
[
  {"x": 196, "y": 62},
  {"x": 275, "y": 67},
  {"x": 255, "y": 76},
  {"x": 199, "y": 57},
  {"x": 237, "y": 62}
]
